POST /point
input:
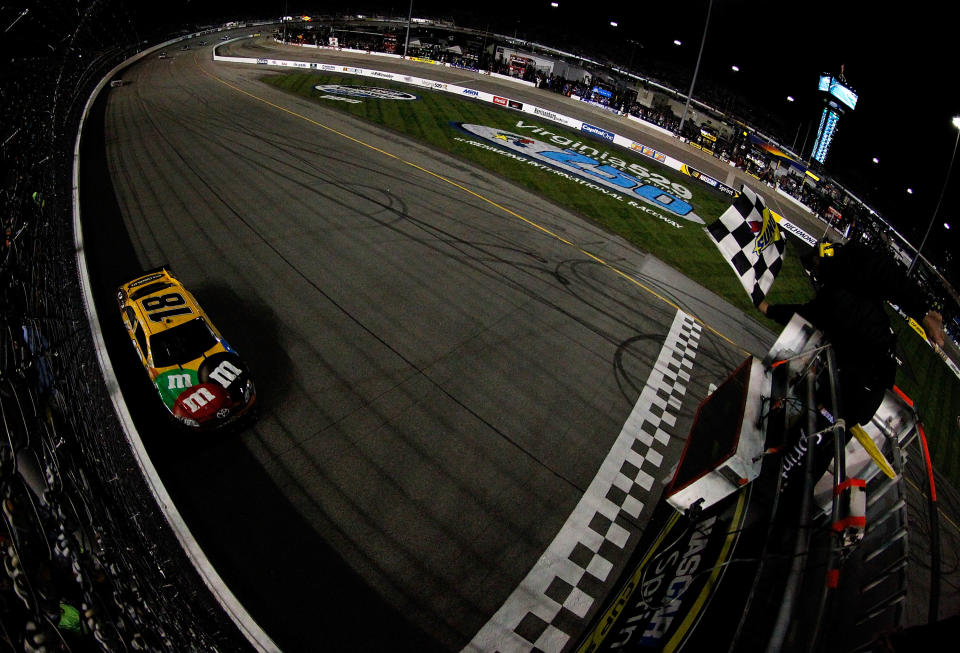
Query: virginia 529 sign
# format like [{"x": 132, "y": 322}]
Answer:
[{"x": 586, "y": 167}]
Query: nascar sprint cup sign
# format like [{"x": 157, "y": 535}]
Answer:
[{"x": 578, "y": 164}]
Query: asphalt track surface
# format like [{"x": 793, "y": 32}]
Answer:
[{"x": 443, "y": 359}]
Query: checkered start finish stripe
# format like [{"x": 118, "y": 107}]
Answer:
[
  {"x": 549, "y": 606},
  {"x": 740, "y": 237}
]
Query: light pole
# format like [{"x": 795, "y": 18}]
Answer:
[
  {"x": 406, "y": 41},
  {"x": 696, "y": 69},
  {"x": 933, "y": 218}
]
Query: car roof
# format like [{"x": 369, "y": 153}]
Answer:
[{"x": 156, "y": 284}]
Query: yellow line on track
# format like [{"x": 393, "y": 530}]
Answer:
[{"x": 478, "y": 196}]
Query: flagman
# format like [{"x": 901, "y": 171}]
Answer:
[{"x": 853, "y": 282}]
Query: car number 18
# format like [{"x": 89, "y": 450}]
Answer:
[{"x": 163, "y": 306}]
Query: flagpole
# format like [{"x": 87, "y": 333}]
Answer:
[{"x": 696, "y": 69}]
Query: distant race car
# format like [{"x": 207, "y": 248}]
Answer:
[{"x": 199, "y": 377}]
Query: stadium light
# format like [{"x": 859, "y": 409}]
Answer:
[{"x": 913, "y": 264}]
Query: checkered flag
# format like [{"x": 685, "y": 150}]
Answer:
[{"x": 748, "y": 237}]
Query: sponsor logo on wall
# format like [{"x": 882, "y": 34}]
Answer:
[
  {"x": 429, "y": 83},
  {"x": 710, "y": 181},
  {"x": 648, "y": 151},
  {"x": 786, "y": 225},
  {"x": 604, "y": 177},
  {"x": 463, "y": 67},
  {"x": 549, "y": 115},
  {"x": 597, "y": 131}
]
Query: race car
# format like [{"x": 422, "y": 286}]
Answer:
[{"x": 200, "y": 379}]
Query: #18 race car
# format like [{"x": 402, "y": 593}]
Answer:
[{"x": 199, "y": 377}]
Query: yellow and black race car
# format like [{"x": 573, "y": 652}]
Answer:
[{"x": 199, "y": 377}]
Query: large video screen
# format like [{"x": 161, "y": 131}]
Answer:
[{"x": 830, "y": 84}]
